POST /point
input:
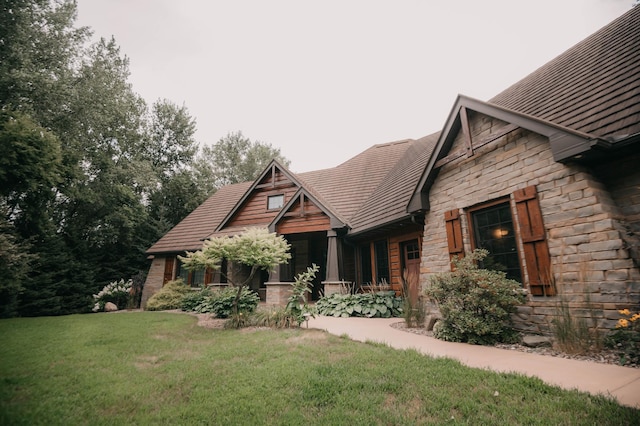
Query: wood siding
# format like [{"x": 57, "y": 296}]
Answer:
[
  {"x": 253, "y": 211},
  {"x": 395, "y": 257},
  {"x": 303, "y": 217}
]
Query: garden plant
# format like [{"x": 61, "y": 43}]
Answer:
[{"x": 476, "y": 304}]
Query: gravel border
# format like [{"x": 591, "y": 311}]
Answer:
[{"x": 604, "y": 356}]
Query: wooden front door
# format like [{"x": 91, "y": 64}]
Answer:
[{"x": 411, "y": 268}]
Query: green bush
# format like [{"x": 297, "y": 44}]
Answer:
[
  {"x": 476, "y": 304},
  {"x": 195, "y": 301},
  {"x": 116, "y": 292},
  {"x": 382, "y": 304},
  {"x": 220, "y": 302},
  {"x": 169, "y": 297}
]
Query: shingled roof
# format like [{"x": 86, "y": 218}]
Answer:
[
  {"x": 347, "y": 186},
  {"x": 193, "y": 229},
  {"x": 381, "y": 177},
  {"x": 594, "y": 87}
]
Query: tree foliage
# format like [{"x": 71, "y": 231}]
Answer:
[
  {"x": 255, "y": 248},
  {"x": 235, "y": 158},
  {"x": 90, "y": 175}
]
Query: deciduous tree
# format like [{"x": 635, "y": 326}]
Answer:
[{"x": 255, "y": 248}]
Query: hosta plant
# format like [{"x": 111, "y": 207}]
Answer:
[{"x": 382, "y": 304}]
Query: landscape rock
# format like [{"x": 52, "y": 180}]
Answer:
[
  {"x": 534, "y": 341},
  {"x": 110, "y": 307}
]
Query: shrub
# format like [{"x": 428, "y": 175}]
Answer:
[
  {"x": 383, "y": 304},
  {"x": 626, "y": 337},
  {"x": 195, "y": 301},
  {"x": 475, "y": 303},
  {"x": 169, "y": 297},
  {"x": 220, "y": 302},
  {"x": 116, "y": 292},
  {"x": 297, "y": 306}
]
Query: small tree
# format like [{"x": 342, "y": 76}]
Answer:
[{"x": 255, "y": 248}]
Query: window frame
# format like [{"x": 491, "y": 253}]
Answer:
[
  {"x": 470, "y": 211},
  {"x": 273, "y": 197},
  {"x": 368, "y": 260}
]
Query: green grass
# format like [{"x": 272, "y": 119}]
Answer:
[{"x": 161, "y": 368}]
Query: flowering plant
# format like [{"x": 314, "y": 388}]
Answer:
[
  {"x": 117, "y": 292},
  {"x": 626, "y": 337}
]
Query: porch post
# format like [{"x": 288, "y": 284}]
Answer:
[
  {"x": 332, "y": 283},
  {"x": 333, "y": 275}
]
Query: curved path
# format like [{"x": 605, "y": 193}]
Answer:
[{"x": 621, "y": 383}]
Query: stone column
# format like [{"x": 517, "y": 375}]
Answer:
[{"x": 277, "y": 292}]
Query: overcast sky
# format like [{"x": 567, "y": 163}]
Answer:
[{"x": 324, "y": 80}]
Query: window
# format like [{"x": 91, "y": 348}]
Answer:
[
  {"x": 365, "y": 264},
  {"x": 191, "y": 278},
  {"x": 492, "y": 227},
  {"x": 374, "y": 262},
  {"x": 275, "y": 202},
  {"x": 493, "y": 230},
  {"x": 382, "y": 261}
]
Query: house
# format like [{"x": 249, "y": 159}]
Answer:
[
  {"x": 350, "y": 220},
  {"x": 545, "y": 175}
]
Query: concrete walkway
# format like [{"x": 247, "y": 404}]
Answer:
[{"x": 621, "y": 383}]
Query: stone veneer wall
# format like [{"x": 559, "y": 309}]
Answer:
[
  {"x": 154, "y": 280},
  {"x": 592, "y": 269}
]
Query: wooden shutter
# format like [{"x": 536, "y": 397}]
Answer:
[
  {"x": 168, "y": 269},
  {"x": 453, "y": 225},
  {"x": 536, "y": 250},
  {"x": 208, "y": 276}
]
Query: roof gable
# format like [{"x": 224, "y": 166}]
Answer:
[
  {"x": 296, "y": 206},
  {"x": 275, "y": 177},
  {"x": 565, "y": 143}
]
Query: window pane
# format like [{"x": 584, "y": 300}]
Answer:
[
  {"x": 197, "y": 278},
  {"x": 493, "y": 228},
  {"x": 365, "y": 264},
  {"x": 275, "y": 202},
  {"x": 382, "y": 261}
]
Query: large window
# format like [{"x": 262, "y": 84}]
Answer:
[{"x": 493, "y": 230}]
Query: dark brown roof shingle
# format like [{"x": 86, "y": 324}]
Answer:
[
  {"x": 193, "y": 229},
  {"x": 594, "y": 87}
]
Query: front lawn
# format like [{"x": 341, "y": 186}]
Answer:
[{"x": 161, "y": 368}]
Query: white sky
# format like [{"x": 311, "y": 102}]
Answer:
[{"x": 324, "y": 80}]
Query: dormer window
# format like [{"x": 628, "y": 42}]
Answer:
[{"x": 275, "y": 202}]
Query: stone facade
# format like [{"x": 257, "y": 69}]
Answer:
[
  {"x": 593, "y": 270},
  {"x": 154, "y": 280}
]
